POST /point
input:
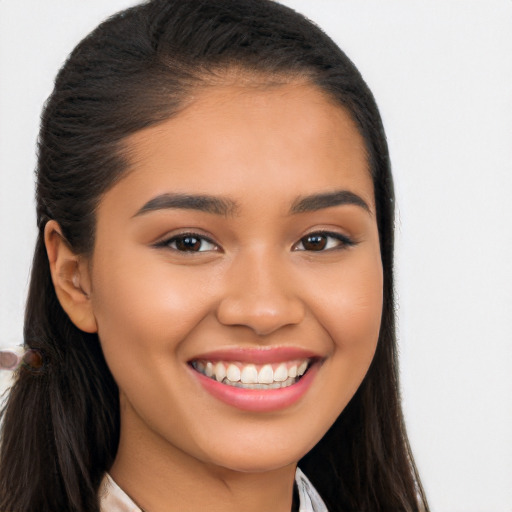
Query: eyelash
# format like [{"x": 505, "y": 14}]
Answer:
[
  {"x": 341, "y": 242},
  {"x": 168, "y": 243}
]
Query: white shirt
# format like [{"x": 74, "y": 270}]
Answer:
[{"x": 114, "y": 499}]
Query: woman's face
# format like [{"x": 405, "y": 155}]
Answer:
[{"x": 240, "y": 251}]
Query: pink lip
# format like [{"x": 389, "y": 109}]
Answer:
[
  {"x": 258, "y": 400},
  {"x": 257, "y": 355}
]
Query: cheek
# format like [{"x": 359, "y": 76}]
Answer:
[
  {"x": 143, "y": 310},
  {"x": 350, "y": 311},
  {"x": 360, "y": 310},
  {"x": 350, "y": 306}
]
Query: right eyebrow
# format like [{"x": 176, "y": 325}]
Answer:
[{"x": 204, "y": 203}]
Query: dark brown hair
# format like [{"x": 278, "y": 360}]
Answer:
[{"x": 61, "y": 424}]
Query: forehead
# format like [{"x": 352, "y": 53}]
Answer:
[{"x": 256, "y": 141}]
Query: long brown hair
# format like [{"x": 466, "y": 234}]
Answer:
[{"x": 61, "y": 424}]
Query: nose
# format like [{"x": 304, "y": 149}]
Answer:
[{"x": 259, "y": 294}]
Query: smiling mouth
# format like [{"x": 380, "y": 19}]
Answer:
[{"x": 253, "y": 376}]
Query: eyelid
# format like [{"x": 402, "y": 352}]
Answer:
[
  {"x": 345, "y": 241},
  {"x": 165, "y": 243}
]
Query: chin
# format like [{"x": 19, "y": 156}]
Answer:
[
  {"x": 256, "y": 463},
  {"x": 257, "y": 455}
]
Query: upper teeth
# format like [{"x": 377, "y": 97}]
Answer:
[{"x": 252, "y": 373}]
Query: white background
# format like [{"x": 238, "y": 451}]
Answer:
[{"x": 441, "y": 71}]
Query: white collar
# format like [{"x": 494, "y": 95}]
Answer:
[{"x": 114, "y": 499}]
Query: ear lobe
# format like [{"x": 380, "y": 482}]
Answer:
[{"x": 70, "y": 276}]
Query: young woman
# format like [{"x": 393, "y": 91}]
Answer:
[{"x": 211, "y": 301}]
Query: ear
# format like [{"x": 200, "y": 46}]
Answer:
[{"x": 71, "y": 279}]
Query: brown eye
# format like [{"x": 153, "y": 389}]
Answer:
[
  {"x": 189, "y": 242},
  {"x": 323, "y": 241},
  {"x": 314, "y": 242}
]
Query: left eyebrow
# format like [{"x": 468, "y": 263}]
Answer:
[
  {"x": 203, "y": 203},
  {"x": 316, "y": 202}
]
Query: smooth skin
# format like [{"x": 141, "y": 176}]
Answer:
[{"x": 252, "y": 275}]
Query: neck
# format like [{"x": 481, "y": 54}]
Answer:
[{"x": 159, "y": 477}]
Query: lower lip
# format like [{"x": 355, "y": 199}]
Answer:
[{"x": 258, "y": 400}]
